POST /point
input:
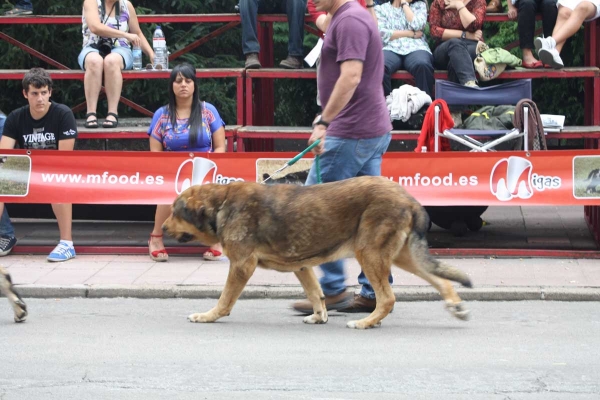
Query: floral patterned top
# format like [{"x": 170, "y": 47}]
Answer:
[
  {"x": 123, "y": 25},
  {"x": 390, "y": 19},
  {"x": 441, "y": 19},
  {"x": 176, "y": 139}
]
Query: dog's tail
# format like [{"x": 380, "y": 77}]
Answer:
[
  {"x": 449, "y": 272},
  {"x": 420, "y": 253}
]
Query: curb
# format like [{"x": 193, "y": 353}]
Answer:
[{"x": 403, "y": 293}]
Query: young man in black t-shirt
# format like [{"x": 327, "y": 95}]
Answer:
[{"x": 44, "y": 124}]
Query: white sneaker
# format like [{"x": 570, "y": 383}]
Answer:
[
  {"x": 551, "y": 57},
  {"x": 544, "y": 43}
]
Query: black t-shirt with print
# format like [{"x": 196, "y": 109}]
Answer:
[{"x": 58, "y": 124}]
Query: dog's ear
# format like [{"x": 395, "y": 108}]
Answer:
[{"x": 186, "y": 210}]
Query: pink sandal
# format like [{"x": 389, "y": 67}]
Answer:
[
  {"x": 213, "y": 255},
  {"x": 156, "y": 253}
]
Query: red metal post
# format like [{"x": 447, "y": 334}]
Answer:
[
  {"x": 264, "y": 102},
  {"x": 240, "y": 100},
  {"x": 248, "y": 101}
]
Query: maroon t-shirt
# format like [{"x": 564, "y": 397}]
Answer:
[{"x": 353, "y": 35}]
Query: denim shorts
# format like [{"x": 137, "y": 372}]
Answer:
[{"x": 125, "y": 52}]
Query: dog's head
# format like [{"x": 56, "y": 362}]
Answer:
[{"x": 194, "y": 214}]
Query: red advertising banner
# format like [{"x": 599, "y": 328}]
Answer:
[{"x": 452, "y": 178}]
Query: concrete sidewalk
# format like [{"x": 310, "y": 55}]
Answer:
[{"x": 192, "y": 277}]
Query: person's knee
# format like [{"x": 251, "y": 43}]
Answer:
[
  {"x": 423, "y": 65},
  {"x": 456, "y": 47},
  {"x": 527, "y": 5},
  {"x": 564, "y": 12},
  {"x": 585, "y": 10},
  {"x": 455, "y": 42},
  {"x": 93, "y": 62},
  {"x": 548, "y": 4},
  {"x": 113, "y": 62}
]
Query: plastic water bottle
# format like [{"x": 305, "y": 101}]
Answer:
[
  {"x": 137, "y": 58},
  {"x": 159, "y": 45}
]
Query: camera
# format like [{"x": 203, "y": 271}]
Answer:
[{"x": 104, "y": 46}]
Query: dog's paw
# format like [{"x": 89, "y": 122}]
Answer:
[
  {"x": 205, "y": 317},
  {"x": 459, "y": 311},
  {"x": 361, "y": 324},
  {"x": 20, "y": 311},
  {"x": 315, "y": 319}
]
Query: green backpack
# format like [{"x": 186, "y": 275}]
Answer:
[{"x": 490, "y": 118}]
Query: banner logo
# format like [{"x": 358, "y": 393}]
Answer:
[
  {"x": 196, "y": 171},
  {"x": 513, "y": 178}
]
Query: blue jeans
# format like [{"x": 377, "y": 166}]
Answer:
[
  {"x": 6, "y": 228},
  {"x": 24, "y": 4},
  {"x": 295, "y": 10},
  {"x": 343, "y": 159}
]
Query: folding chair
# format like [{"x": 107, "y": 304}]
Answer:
[{"x": 505, "y": 93}]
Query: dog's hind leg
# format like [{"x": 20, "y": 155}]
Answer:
[
  {"x": 7, "y": 289},
  {"x": 375, "y": 258},
  {"x": 239, "y": 274},
  {"x": 315, "y": 295}
]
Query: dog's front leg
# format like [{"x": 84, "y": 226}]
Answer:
[
  {"x": 238, "y": 276},
  {"x": 7, "y": 289},
  {"x": 315, "y": 295}
]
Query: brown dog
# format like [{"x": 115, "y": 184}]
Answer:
[
  {"x": 7, "y": 289},
  {"x": 291, "y": 228}
]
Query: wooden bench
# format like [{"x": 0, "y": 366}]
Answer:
[
  {"x": 296, "y": 132},
  {"x": 303, "y": 133}
]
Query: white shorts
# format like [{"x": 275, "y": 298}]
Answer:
[{"x": 574, "y": 3}]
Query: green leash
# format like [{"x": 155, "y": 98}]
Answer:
[{"x": 298, "y": 157}]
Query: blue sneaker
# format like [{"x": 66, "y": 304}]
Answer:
[
  {"x": 6, "y": 244},
  {"x": 62, "y": 252}
]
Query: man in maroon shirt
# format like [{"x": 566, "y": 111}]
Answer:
[{"x": 354, "y": 127}]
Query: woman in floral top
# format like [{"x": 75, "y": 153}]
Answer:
[
  {"x": 401, "y": 24},
  {"x": 456, "y": 27},
  {"x": 185, "y": 124}
]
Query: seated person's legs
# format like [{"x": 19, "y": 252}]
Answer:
[
  {"x": 120, "y": 58},
  {"x": 64, "y": 250},
  {"x": 460, "y": 54},
  {"x": 392, "y": 62},
  {"x": 156, "y": 247},
  {"x": 571, "y": 15},
  {"x": 250, "y": 45},
  {"x": 7, "y": 232},
  {"x": 295, "y": 10},
  {"x": 64, "y": 215},
  {"x": 420, "y": 65},
  {"x": 526, "y": 27},
  {"x": 92, "y": 63}
]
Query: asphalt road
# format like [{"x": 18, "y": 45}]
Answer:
[{"x": 146, "y": 349}]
